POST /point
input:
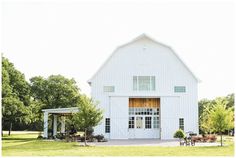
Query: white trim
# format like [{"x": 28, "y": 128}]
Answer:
[
  {"x": 45, "y": 125},
  {"x": 62, "y": 110},
  {"x": 132, "y": 41},
  {"x": 150, "y": 95}
]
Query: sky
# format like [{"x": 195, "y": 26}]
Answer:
[{"x": 74, "y": 38}]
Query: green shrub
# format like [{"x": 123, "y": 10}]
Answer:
[
  {"x": 40, "y": 137},
  {"x": 179, "y": 134},
  {"x": 99, "y": 137}
]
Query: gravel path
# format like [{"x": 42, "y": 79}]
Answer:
[{"x": 147, "y": 142}]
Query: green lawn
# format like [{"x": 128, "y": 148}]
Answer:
[{"x": 28, "y": 145}]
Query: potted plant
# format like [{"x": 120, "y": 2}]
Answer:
[{"x": 179, "y": 134}]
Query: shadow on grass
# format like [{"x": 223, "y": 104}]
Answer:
[{"x": 22, "y": 139}]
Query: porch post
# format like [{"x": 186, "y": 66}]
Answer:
[
  {"x": 45, "y": 125},
  {"x": 54, "y": 125},
  {"x": 63, "y": 124}
]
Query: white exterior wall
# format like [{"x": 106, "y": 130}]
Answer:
[
  {"x": 119, "y": 117},
  {"x": 156, "y": 60}
]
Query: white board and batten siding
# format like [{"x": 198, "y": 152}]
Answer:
[
  {"x": 119, "y": 117},
  {"x": 145, "y": 57}
]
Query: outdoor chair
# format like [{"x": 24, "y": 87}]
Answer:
[
  {"x": 187, "y": 141},
  {"x": 192, "y": 142}
]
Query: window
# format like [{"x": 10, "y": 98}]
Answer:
[
  {"x": 144, "y": 83},
  {"x": 156, "y": 111},
  {"x": 107, "y": 125},
  {"x": 131, "y": 111},
  {"x": 153, "y": 86},
  {"x": 148, "y": 122},
  {"x": 143, "y": 111},
  {"x": 131, "y": 122},
  {"x": 108, "y": 88},
  {"x": 135, "y": 83},
  {"x": 139, "y": 122},
  {"x": 180, "y": 89},
  {"x": 156, "y": 122},
  {"x": 181, "y": 123}
]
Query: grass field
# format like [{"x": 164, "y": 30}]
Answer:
[{"x": 28, "y": 145}]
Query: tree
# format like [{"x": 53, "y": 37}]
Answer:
[
  {"x": 35, "y": 115},
  {"x": 179, "y": 134},
  {"x": 13, "y": 111},
  {"x": 14, "y": 83},
  {"x": 88, "y": 116},
  {"x": 205, "y": 106},
  {"x": 203, "y": 119},
  {"x": 221, "y": 118},
  {"x": 230, "y": 101},
  {"x": 6, "y": 88},
  {"x": 15, "y": 95},
  {"x": 55, "y": 92}
]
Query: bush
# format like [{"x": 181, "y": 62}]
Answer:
[
  {"x": 179, "y": 134},
  {"x": 40, "y": 137},
  {"x": 99, "y": 137}
]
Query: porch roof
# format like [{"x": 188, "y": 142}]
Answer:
[{"x": 62, "y": 110}]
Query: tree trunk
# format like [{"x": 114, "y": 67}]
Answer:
[
  {"x": 9, "y": 132},
  {"x": 2, "y": 127},
  {"x": 221, "y": 141},
  {"x": 85, "y": 141}
]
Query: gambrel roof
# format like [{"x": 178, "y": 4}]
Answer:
[{"x": 134, "y": 40}]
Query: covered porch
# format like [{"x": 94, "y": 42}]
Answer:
[{"x": 62, "y": 112}]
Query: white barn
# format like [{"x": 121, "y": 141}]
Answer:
[{"x": 146, "y": 91}]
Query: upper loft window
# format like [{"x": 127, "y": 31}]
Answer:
[
  {"x": 144, "y": 83},
  {"x": 109, "y": 89},
  {"x": 180, "y": 89}
]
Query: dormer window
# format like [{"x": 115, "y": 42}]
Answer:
[{"x": 144, "y": 83}]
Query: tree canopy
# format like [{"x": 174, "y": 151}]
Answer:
[
  {"x": 56, "y": 91},
  {"x": 22, "y": 101},
  {"x": 206, "y": 106},
  {"x": 220, "y": 117},
  {"x": 15, "y": 95}
]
